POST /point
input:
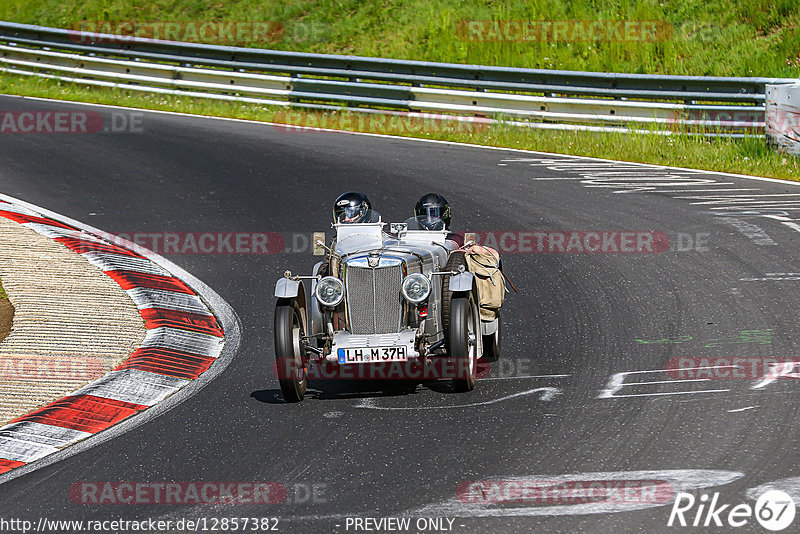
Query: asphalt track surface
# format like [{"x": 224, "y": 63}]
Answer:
[{"x": 587, "y": 316}]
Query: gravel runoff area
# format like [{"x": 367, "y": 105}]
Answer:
[{"x": 72, "y": 323}]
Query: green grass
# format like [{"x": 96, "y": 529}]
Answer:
[
  {"x": 707, "y": 37},
  {"x": 745, "y": 156}
]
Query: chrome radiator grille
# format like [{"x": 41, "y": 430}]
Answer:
[{"x": 373, "y": 299}]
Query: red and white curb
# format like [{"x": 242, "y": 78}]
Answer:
[{"x": 184, "y": 339}]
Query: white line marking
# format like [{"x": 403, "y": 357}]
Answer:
[
  {"x": 785, "y": 369},
  {"x": 666, "y": 393},
  {"x": 789, "y": 485},
  {"x": 742, "y": 409},
  {"x": 523, "y": 376},
  {"x": 677, "y": 480},
  {"x": 669, "y": 381},
  {"x": 617, "y": 381},
  {"x": 547, "y": 394},
  {"x": 707, "y": 191}
]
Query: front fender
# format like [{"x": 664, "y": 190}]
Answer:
[
  {"x": 287, "y": 289},
  {"x": 461, "y": 282}
]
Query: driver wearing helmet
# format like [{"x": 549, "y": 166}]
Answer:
[{"x": 352, "y": 208}]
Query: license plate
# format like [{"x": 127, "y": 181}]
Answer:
[{"x": 372, "y": 354}]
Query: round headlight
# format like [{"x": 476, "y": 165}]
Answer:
[
  {"x": 330, "y": 291},
  {"x": 416, "y": 288}
]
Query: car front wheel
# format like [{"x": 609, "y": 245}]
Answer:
[
  {"x": 463, "y": 341},
  {"x": 291, "y": 364}
]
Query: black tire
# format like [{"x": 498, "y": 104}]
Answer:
[
  {"x": 292, "y": 373},
  {"x": 464, "y": 329},
  {"x": 491, "y": 343},
  {"x": 453, "y": 262}
]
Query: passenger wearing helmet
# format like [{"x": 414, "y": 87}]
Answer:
[
  {"x": 433, "y": 212},
  {"x": 352, "y": 208}
]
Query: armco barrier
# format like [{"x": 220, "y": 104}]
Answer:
[{"x": 531, "y": 97}]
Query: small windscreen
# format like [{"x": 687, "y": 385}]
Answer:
[{"x": 425, "y": 222}]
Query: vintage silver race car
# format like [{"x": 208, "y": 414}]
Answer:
[{"x": 378, "y": 298}]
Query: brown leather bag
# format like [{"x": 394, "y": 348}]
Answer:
[{"x": 484, "y": 263}]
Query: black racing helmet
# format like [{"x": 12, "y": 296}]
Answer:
[
  {"x": 351, "y": 208},
  {"x": 430, "y": 208}
]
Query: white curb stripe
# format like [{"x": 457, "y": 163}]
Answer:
[
  {"x": 108, "y": 261},
  {"x": 159, "y": 298},
  {"x": 135, "y": 386},
  {"x": 54, "y": 232},
  {"x": 42, "y": 434},
  {"x": 4, "y": 206},
  {"x": 24, "y": 451},
  {"x": 184, "y": 340}
]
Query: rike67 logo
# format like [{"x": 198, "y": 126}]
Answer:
[{"x": 774, "y": 510}]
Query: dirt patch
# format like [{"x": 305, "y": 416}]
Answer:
[{"x": 6, "y": 314}]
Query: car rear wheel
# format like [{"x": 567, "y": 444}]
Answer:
[
  {"x": 463, "y": 339},
  {"x": 292, "y": 370}
]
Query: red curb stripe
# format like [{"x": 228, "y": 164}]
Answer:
[
  {"x": 167, "y": 362},
  {"x": 86, "y": 413},
  {"x": 8, "y": 465},
  {"x": 132, "y": 279},
  {"x": 195, "y": 322},
  {"x": 83, "y": 245},
  {"x": 22, "y": 219}
]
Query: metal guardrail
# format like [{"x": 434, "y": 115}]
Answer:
[{"x": 534, "y": 97}]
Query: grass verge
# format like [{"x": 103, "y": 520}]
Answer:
[
  {"x": 697, "y": 37},
  {"x": 744, "y": 156}
]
